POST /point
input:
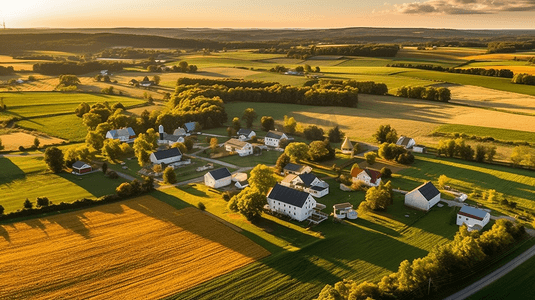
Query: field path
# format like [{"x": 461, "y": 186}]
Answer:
[{"x": 472, "y": 289}]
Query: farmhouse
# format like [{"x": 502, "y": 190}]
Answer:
[
  {"x": 81, "y": 167},
  {"x": 168, "y": 156},
  {"x": 368, "y": 176},
  {"x": 347, "y": 146},
  {"x": 168, "y": 139},
  {"x": 273, "y": 138},
  {"x": 423, "y": 197},
  {"x": 296, "y": 169},
  {"x": 475, "y": 219},
  {"x": 419, "y": 148},
  {"x": 218, "y": 178},
  {"x": 240, "y": 147},
  {"x": 406, "y": 142},
  {"x": 296, "y": 204},
  {"x": 245, "y": 134},
  {"x": 307, "y": 182},
  {"x": 123, "y": 134}
]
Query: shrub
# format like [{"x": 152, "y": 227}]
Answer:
[
  {"x": 113, "y": 175},
  {"x": 201, "y": 206},
  {"x": 42, "y": 202},
  {"x": 27, "y": 204},
  {"x": 21, "y": 148},
  {"x": 370, "y": 157},
  {"x": 169, "y": 175},
  {"x": 386, "y": 173}
]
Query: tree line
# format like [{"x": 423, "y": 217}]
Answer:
[
  {"x": 504, "y": 73},
  {"x": 509, "y": 47},
  {"x": 441, "y": 94},
  {"x": 523, "y": 78},
  {"x": 443, "y": 265},
  {"x": 58, "y": 68},
  {"x": 364, "y": 87},
  {"x": 228, "y": 82},
  {"x": 6, "y": 70},
  {"x": 369, "y": 50}
]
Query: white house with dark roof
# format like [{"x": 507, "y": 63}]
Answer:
[
  {"x": 167, "y": 157},
  {"x": 123, "y": 134},
  {"x": 423, "y": 197},
  {"x": 294, "y": 203},
  {"x": 245, "y": 134},
  {"x": 81, "y": 167},
  {"x": 241, "y": 147},
  {"x": 273, "y": 138},
  {"x": 218, "y": 178},
  {"x": 307, "y": 182},
  {"x": 368, "y": 176},
  {"x": 406, "y": 142},
  {"x": 296, "y": 169},
  {"x": 475, "y": 219}
]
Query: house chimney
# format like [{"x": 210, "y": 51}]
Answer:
[{"x": 160, "y": 130}]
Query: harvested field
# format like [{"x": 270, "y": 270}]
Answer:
[
  {"x": 136, "y": 249},
  {"x": 138, "y": 110},
  {"x": 12, "y": 141}
]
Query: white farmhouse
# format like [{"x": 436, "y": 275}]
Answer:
[
  {"x": 368, "y": 176},
  {"x": 273, "y": 138},
  {"x": 123, "y": 134},
  {"x": 475, "y": 219},
  {"x": 296, "y": 169},
  {"x": 167, "y": 157},
  {"x": 307, "y": 182},
  {"x": 296, "y": 204},
  {"x": 240, "y": 147},
  {"x": 406, "y": 142},
  {"x": 423, "y": 197},
  {"x": 218, "y": 178},
  {"x": 245, "y": 134}
]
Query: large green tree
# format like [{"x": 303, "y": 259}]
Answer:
[
  {"x": 249, "y": 203},
  {"x": 249, "y": 115},
  {"x": 386, "y": 134},
  {"x": 169, "y": 175},
  {"x": 297, "y": 151},
  {"x": 54, "y": 159},
  {"x": 335, "y": 135},
  {"x": 262, "y": 178},
  {"x": 268, "y": 123}
]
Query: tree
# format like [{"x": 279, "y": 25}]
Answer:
[
  {"x": 320, "y": 151},
  {"x": 313, "y": 133},
  {"x": 282, "y": 161},
  {"x": 111, "y": 149},
  {"x": 236, "y": 123},
  {"x": 491, "y": 152},
  {"x": 523, "y": 155},
  {"x": 386, "y": 134},
  {"x": 124, "y": 190},
  {"x": 1, "y": 145},
  {"x": 378, "y": 198},
  {"x": 443, "y": 181},
  {"x": 68, "y": 80},
  {"x": 299, "y": 69},
  {"x": 297, "y": 151},
  {"x": 249, "y": 202},
  {"x": 42, "y": 201},
  {"x": 249, "y": 115},
  {"x": 446, "y": 147},
  {"x": 54, "y": 159},
  {"x": 262, "y": 178},
  {"x": 91, "y": 120},
  {"x": 169, "y": 175},
  {"x": 94, "y": 140},
  {"x": 386, "y": 173},
  {"x": 230, "y": 131},
  {"x": 36, "y": 142},
  {"x": 283, "y": 143},
  {"x": 335, "y": 135},
  {"x": 180, "y": 147},
  {"x": 156, "y": 79},
  {"x": 481, "y": 152},
  {"x": 289, "y": 125},
  {"x": 214, "y": 144},
  {"x": 82, "y": 109},
  {"x": 183, "y": 65},
  {"x": 1, "y": 210},
  {"x": 27, "y": 204},
  {"x": 268, "y": 123},
  {"x": 370, "y": 157},
  {"x": 104, "y": 168},
  {"x": 188, "y": 142}
]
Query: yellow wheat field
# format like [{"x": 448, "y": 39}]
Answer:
[{"x": 136, "y": 249}]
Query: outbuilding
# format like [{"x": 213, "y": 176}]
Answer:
[
  {"x": 167, "y": 157},
  {"x": 475, "y": 219},
  {"x": 423, "y": 197},
  {"x": 296, "y": 169},
  {"x": 368, "y": 176},
  {"x": 273, "y": 138},
  {"x": 406, "y": 142},
  {"x": 218, "y": 178},
  {"x": 123, "y": 134},
  {"x": 245, "y": 134},
  {"x": 347, "y": 146},
  {"x": 237, "y": 146},
  {"x": 81, "y": 167}
]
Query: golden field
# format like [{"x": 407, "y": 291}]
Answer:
[{"x": 135, "y": 249}]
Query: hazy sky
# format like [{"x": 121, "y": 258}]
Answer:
[{"x": 269, "y": 14}]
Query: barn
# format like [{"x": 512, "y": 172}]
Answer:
[
  {"x": 423, "y": 197},
  {"x": 81, "y": 167},
  {"x": 167, "y": 157},
  {"x": 475, "y": 219},
  {"x": 218, "y": 178}
]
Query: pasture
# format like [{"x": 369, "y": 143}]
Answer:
[
  {"x": 68, "y": 127},
  {"x": 499, "y": 134},
  {"x": 140, "y": 248},
  {"x": 27, "y": 177},
  {"x": 13, "y": 140}
]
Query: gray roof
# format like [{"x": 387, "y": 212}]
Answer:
[
  {"x": 294, "y": 167},
  {"x": 274, "y": 134},
  {"x": 163, "y": 154},
  {"x": 171, "y": 137},
  {"x": 220, "y": 173},
  {"x": 288, "y": 195},
  {"x": 190, "y": 126},
  {"x": 428, "y": 190},
  {"x": 236, "y": 143},
  {"x": 122, "y": 132},
  {"x": 317, "y": 188},
  {"x": 78, "y": 164},
  {"x": 244, "y": 183},
  {"x": 404, "y": 140},
  {"x": 307, "y": 178},
  {"x": 244, "y": 131},
  {"x": 473, "y": 212}
]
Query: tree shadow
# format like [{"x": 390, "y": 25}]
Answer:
[
  {"x": 5, "y": 234},
  {"x": 375, "y": 226},
  {"x": 9, "y": 171}
]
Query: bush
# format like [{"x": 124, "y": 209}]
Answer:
[
  {"x": 113, "y": 175},
  {"x": 169, "y": 175},
  {"x": 42, "y": 202},
  {"x": 21, "y": 148},
  {"x": 201, "y": 206},
  {"x": 27, "y": 204},
  {"x": 313, "y": 133},
  {"x": 370, "y": 158},
  {"x": 386, "y": 173}
]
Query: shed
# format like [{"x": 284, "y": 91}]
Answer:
[
  {"x": 81, "y": 167},
  {"x": 218, "y": 178},
  {"x": 423, "y": 197},
  {"x": 296, "y": 169}
]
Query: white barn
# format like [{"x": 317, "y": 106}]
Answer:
[
  {"x": 307, "y": 182},
  {"x": 419, "y": 148},
  {"x": 475, "y": 219},
  {"x": 406, "y": 142},
  {"x": 423, "y": 197},
  {"x": 123, "y": 135},
  {"x": 218, "y": 178},
  {"x": 245, "y": 134},
  {"x": 296, "y": 204},
  {"x": 167, "y": 157},
  {"x": 241, "y": 147},
  {"x": 368, "y": 176},
  {"x": 273, "y": 138}
]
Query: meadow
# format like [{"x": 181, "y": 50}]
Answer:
[
  {"x": 27, "y": 177},
  {"x": 84, "y": 252},
  {"x": 478, "y": 131}
]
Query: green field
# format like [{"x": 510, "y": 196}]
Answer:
[
  {"x": 68, "y": 127},
  {"x": 518, "y": 284},
  {"x": 27, "y": 177},
  {"x": 496, "y": 133}
]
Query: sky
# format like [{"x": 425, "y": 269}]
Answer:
[{"x": 459, "y": 14}]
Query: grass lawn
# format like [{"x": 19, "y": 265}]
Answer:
[
  {"x": 27, "y": 177},
  {"x": 267, "y": 158},
  {"x": 496, "y": 133},
  {"x": 68, "y": 127}
]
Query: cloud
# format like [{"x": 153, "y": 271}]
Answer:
[{"x": 463, "y": 7}]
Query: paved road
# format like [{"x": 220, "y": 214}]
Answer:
[{"x": 472, "y": 289}]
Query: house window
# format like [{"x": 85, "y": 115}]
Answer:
[{"x": 466, "y": 219}]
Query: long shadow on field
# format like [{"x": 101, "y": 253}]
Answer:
[
  {"x": 375, "y": 226},
  {"x": 5, "y": 234},
  {"x": 72, "y": 222},
  {"x": 9, "y": 171}
]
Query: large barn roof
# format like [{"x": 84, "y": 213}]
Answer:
[{"x": 288, "y": 195}]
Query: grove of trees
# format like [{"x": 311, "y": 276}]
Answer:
[{"x": 441, "y": 94}]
